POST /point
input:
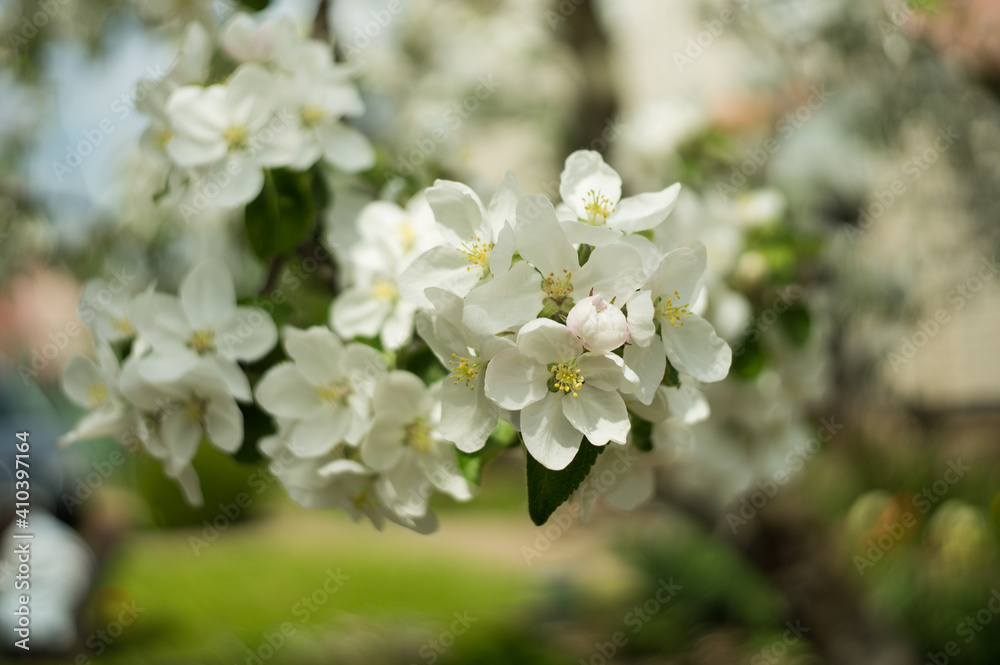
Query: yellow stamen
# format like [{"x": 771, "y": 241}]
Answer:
[
  {"x": 418, "y": 436},
  {"x": 97, "y": 393},
  {"x": 672, "y": 313},
  {"x": 236, "y": 136},
  {"x": 162, "y": 138},
  {"x": 311, "y": 114},
  {"x": 463, "y": 369},
  {"x": 598, "y": 207},
  {"x": 331, "y": 394},
  {"x": 383, "y": 289},
  {"x": 122, "y": 325},
  {"x": 202, "y": 341},
  {"x": 568, "y": 378},
  {"x": 558, "y": 288},
  {"x": 477, "y": 252}
]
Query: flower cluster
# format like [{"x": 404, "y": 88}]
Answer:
[
  {"x": 282, "y": 106},
  {"x": 180, "y": 380},
  {"x": 551, "y": 317}
]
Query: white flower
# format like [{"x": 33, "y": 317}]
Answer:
[
  {"x": 325, "y": 391},
  {"x": 320, "y": 96},
  {"x": 203, "y": 324},
  {"x": 468, "y": 417},
  {"x": 593, "y": 211},
  {"x": 106, "y": 308},
  {"x": 549, "y": 275},
  {"x": 225, "y": 129},
  {"x": 246, "y": 39},
  {"x": 625, "y": 479},
  {"x": 562, "y": 392},
  {"x": 600, "y": 326},
  {"x": 479, "y": 241},
  {"x": 404, "y": 445},
  {"x": 371, "y": 306},
  {"x": 95, "y": 387},
  {"x": 689, "y": 340},
  {"x": 180, "y": 413}
]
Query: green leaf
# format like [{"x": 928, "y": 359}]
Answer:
[
  {"x": 548, "y": 489},
  {"x": 282, "y": 216},
  {"x": 642, "y": 433}
]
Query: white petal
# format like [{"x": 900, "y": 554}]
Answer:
[
  {"x": 248, "y": 96},
  {"x": 443, "y": 267},
  {"x": 384, "y": 447},
  {"x": 605, "y": 372},
  {"x": 587, "y": 234},
  {"x": 224, "y": 424},
  {"x": 540, "y": 239},
  {"x": 548, "y": 342},
  {"x": 467, "y": 416},
  {"x": 680, "y": 270},
  {"x": 181, "y": 435},
  {"x": 346, "y": 148},
  {"x": 549, "y": 437},
  {"x": 503, "y": 206},
  {"x": 283, "y": 391},
  {"x": 246, "y": 180},
  {"x": 613, "y": 272},
  {"x": 318, "y": 436},
  {"x": 187, "y": 479},
  {"x": 458, "y": 209},
  {"x": 355, "y": 314},
  {"x": 649, "y": 363},
  {"x": 585, "y": 170},
  {"x": 80, "y": 375},
  {"x": 317, "y": 352},
  {"x": 687, "y": 403},
  {"x": 236, "y": 381},
  {"x": 634, "y": 487},
  {"x": 503, "y": 251},
  {"x": 248, "y": 335},
  {"x": 505, "y": 302},
  {"x": 641, "y": 325},
  {"x": 645, "y": 211},
  {"x": 207, "y": 295},
  {"x": 600, "y": 415},
  {"x": 695, "y": 349},
  {"x": 513, "y": 381},
  {"x": 404, "y": 395}
]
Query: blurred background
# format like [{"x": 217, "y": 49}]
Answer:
[{"x": 840, "y": 159}]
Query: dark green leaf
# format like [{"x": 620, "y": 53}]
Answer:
[
  {"x": 548, "y": 489},
  {"x": 282, "y": 216},
  {"x": 795, "y": 321},
  {"x": 671, "y": 378}
]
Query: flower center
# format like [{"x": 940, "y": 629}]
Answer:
[
  {"x": 670, "y": 312},
  {"x": 311, "y": 114},
  {"x": 567, "y": 378},
  {"x": 384, "y": 289},
  {"x": 97, "y": 393},
  {"x": 598, "y": 207},
  {"x": 477, "y": 252},
  {"x": 236, "y": 136},
  {"x": 418, "y": 436},
  {"x": 122, "y": 325},
  {"x": 407, "y": 236},
  {"x": 193, "y": 410},
  {"x": 162, "y": 138},
  {"x": 558, "y": 288},
  {"x": 331, "y": 394},
  {"x": 463, "y": 369},
  {"x": 202, "y": 341}
]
